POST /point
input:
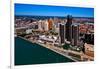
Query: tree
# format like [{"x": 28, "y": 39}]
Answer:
[{"x": 66, "y": 46}]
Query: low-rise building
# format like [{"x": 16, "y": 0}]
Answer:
[{"x": 89, "y": 49}]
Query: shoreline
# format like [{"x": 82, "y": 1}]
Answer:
[{"x": 52, "y": 49}]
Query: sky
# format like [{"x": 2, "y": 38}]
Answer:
[{"x": 48, "y": 10}]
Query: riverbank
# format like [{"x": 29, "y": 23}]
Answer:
[
  {"x": 53, "y": 48},
  {"x": 27, "y": 53},
  {"x": 73, "y": 55}
]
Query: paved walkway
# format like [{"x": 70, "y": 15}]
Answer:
[
  {"x": 62, "y": 51},
  {"x": 65, "y": 52}
]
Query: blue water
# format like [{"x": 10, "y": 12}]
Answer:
[{"x": 28, "y": 53}]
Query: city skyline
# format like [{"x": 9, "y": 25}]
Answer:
[
  {"x": 57, "y": 33},
  {"x": 48, "y": 10}
]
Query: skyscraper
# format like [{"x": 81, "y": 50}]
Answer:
[
  {"x": 68, "y": 28},
  {"x": 50, "y": 24},
  {"x": 62, "y": 33},
  {"x": 75, "y": 35},
  {"x": 45, "y": 24},
  {"x": 40, "y": 25}
]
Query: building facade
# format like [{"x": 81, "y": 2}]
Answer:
[
  {"x": 61, "y": 34},
  {"x": 68, "y": 28},
  {"x": 75, "y": 35}
]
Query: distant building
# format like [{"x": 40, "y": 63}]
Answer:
[
  {"x": 36, "y": 27},
  {"x": 62, "y": 33},
  {"x": 89, "y": 38},
  {"x": 50, "y": 24},
  {"x": 89, "y": 49},
  {"x": 45, "y": 25},
  {"x": 68, "y": 28},
  {"x": 28, "y": 31},
  {"x": 56, "y": 25},
  {"x": 40, "y": 25},
  {"x": 75, "y": 35}
]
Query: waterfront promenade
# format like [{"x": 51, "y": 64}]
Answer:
[
  {"x": 53, "y": 48},
  {"x": 66, "y": 52},
  {"x": 62, "y": 51}
]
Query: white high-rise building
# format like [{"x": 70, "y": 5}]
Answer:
[
  {"x": 46, "y": 28},
  {"x": 40, "y": 25}
]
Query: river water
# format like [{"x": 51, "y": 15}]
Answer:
[{"x": 27, "y": 53}]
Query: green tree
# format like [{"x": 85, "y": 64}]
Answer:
[{"x": 66, "y": 46}]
